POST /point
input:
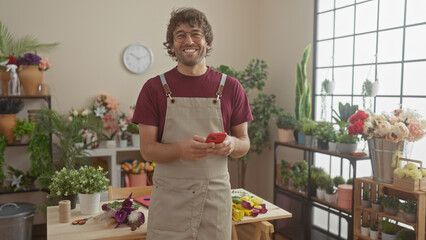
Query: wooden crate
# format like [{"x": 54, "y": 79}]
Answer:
[{"x": 409, "y": 183}]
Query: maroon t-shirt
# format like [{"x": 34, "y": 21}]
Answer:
[{"x": 152, "y": 102}]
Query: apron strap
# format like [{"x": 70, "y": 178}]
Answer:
[
  {"x": 166, "y": 88},
  {"x": 220, "y": 88}
]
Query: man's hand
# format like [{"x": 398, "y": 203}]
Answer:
[
  {"x": 194, "y": 148},
  {"x": 225, "y": 148}
]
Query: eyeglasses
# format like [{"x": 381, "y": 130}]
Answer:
[{"x": 195, "y": 36}]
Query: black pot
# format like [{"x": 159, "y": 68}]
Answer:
[
  {"x": 73, "y": 200},
  {"x": 322, "y": 144}
]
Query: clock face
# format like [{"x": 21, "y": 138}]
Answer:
[{"x": 137, "y": 58}]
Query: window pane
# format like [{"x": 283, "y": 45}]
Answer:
[
  {"x": 391, "y": 13},
  {"x": 324, "y": 5},
  {"x": 322, "y": 74},
  {"x": 386, "y": 104},
  {"x": 342, "y": 3},
  {"x": 366, "y": 17},
  {"x": 343, "y": 79},
  {"x": 325, "y": 25},
  {"x": 344, "y": 22},
  {"x": 327, "y": 108},
  {"x": 360, "y": 74},
  {"x": 416, "y": 11},
  {"x": 324, "y": 53},
  {"x": 365, "y": 48},
  {"x": 343, "y": 51},
  {"x": 389, "y": 76},
  {"x": 415, "y": 39},
  {"x": 414, "y": 75},
  {"x": 390, "y": 45}
]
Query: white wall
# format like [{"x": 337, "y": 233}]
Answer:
[{"x": 93, "y": 35}]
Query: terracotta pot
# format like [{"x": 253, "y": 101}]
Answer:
[
  {"x": 135, "y": 180},
  {"x": 4, "y": 77},
  {"x": 285, "y": 135},
  {"x": 30, "y": 78},
  {"x": 7, "y": 122}
]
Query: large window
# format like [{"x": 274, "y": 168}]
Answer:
[{"x": 385, "y": 40}]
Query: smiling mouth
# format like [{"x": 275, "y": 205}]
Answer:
[{"x": 189, "y": 50}]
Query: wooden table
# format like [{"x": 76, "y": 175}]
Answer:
[
  {"x": 97, "y": 231},
  {"x": 260, "y": 222}
]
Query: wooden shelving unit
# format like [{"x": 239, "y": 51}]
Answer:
[{"x": 368, "y": 214}]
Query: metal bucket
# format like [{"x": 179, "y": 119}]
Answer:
[
  {"x": 16, "y": 221},
  {"x": 381, "y": 154}
]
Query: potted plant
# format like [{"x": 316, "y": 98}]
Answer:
[
  {"x": 8, "y": 109},
  {"x": 286, "y": 124},
  {"x": 299, "y": 130},
  {"x": 316, "y": 172},
  {"x": 134, "y": 130},
  {"x": 322, "y": 133},
  {"x": 63, "y": 184},
  {"x": 89, "y": 183},
  {"x": 299, "y": 175},
  {"x": 337, "y": 180},
  {"x": 365, "y": 202},
  {"x": 327, "y": 87},
  {"x": 410, "y": 211},
  {"x": 323, "y": 181},
  {"x": 365, "y": 228},
  {"x": 308, "y": 129},
  {"x": 285, "y": 173},
  {"x": 350, "y": 181},
  {"x": 303, "y": 106},
  {"x": 330, "y": 192},
  {"x": 345, "y": 112},
  {"x": 406, "y": 234},
  {"x": 369, "y": 89},
  {"x": 122, "y": 130},
  {"x": 390, "y": 204},
  {"x": 332, "y": 141},
  {"x": 20, "y": 180},
  {"x": 374, "y": 231},
  {"x": 377, "y": 205},
  {"x": 41, "y": 165},
  {"x": 23, "y": 130},
  {"x": 346, "y": 143},
  {"x": 389, "y": 230}
]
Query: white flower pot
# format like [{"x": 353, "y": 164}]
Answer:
[
  {"x": 123, "y": 143},
  {"x": 320, "y": 194},
  {"x": 332, "y": 146},
  {"x": 308, "y": 140},
  {"x": 374, "y": 234},
  {"x": 386, "y": 236},
  {"x": 365, "y": 231},
  {"x": 347, "y": 148},
  {"x": 89, "y": 203},
  {"x": 135, "y": 140},
  {"x": 110, "y": 144},
  {"x": 331, "y": 198}
]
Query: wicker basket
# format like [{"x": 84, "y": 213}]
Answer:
[{"x": 409, "y": 183}]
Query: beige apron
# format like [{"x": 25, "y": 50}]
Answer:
[{"x": 191, "y": 199}]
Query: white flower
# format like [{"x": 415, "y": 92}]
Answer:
[
  {"x": 100, "y": 111},
  {"x": 70, "y": 118},
  {"x": 75, "y": 113},
  {"x": 400, "y": 130},
  {"x": 384, "y": 128},
  {"x": 85, "y": 112}
]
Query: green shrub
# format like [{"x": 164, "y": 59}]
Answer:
[
  {"x": 286, "y": 121},
  {"x": 23, "y": 127},
  {"x": 365, "y": 194},
  {"x": 350, "y": 181},
  {"x": 374, "y": 227},
  {"x": 299, "y": 173},
  {"x": 338, "y": 180},
  {"x": 390, "y": 202},
  {"x": 406, "y": 234},
  {"x": 409, "y": 206},
  {"x": 323, "y": 130},
  {"x": 388, "y": 227},
  {"x": 346, "y": 138},
  {"x": 324, "y": 180}
]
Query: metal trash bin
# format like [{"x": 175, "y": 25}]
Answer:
[{"x": 16, "y": 221}]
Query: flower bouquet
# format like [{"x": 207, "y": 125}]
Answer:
[
  {"x": 122, "y": 212},
  {"x": 244, "y": 205},
  {"x": 410, "y": 177},
  {"x": 137, "y": 173}
]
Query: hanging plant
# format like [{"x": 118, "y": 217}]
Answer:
[
  {"x": 369, "y": 89},
  {"x": 327, "y": 87}
]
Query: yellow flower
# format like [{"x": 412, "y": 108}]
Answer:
[
  {"x": 424, "y": 172},
  {"x": 410, "y": 166},
  {"x": 415, "y": 174},
  {"x": 256, "y": 201},
  {"x": 237, "y": 214}
]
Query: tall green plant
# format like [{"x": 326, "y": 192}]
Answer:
[
  {"x": 3, "y": 144},
  {"x": 303, "y": 105},
  {"x": 263, "y": 108}
]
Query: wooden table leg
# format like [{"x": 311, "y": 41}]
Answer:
[
  {"x": 234, "y": 232},
  {"x": 263, "y": 228}
]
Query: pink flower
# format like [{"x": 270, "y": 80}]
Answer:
[{"x": 44, "y": 64}]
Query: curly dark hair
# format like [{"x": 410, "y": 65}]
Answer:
[{"x": 193, "y": 17}]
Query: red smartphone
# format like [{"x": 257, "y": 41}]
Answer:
[{"x": 216, "y": 137}]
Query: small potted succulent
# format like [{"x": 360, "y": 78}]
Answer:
[
  {"x": 406, "y": 234},
  {"x": 389, "y": 230},
  {"x": 323, "y": 181},
  {"x": 365, "y": 202},
  {"x": 322, "y": 133},
  {"x": 390, "y": 204},
  {"x": 308, "y": 129},
  {"x": 330, "y": 193},
  {"x": 23, "y": 130},
  {"x": 374, "y": 231},
  {"x": 365, "y": 228},
  {"x": 377, "y": 205},
  {"x": 332, "y": 141},
  {"x": 410, "y": 211},
  {"x": 286, "y": 123}
]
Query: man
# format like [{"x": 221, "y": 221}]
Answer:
[{"x": 191, "y": 197}]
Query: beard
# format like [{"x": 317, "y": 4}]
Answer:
[{"x": 191, "y": 60}]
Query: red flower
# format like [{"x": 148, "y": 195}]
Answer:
[
  {"x": 359, "y": 115},
  {"x": 12, "y": 60},
  {"x": 356, "y": 128}
]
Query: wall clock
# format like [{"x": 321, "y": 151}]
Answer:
[{"x": 138, "y": 58}]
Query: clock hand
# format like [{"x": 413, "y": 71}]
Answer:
[{"x": 135, "y": 56}]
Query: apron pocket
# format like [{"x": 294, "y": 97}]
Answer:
[{"x": 172, "y": 208}]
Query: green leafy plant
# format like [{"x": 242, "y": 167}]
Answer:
[
  {"x": 379, "y": 199},
  {"x": 329, "y": 188},
  {"x": 299, "y": 173},
  {"x": 333, "y": 136},
  {"x": 316, "y": 172},
  {"x": 263, "y": 108},
  {"x": 309, "y": 127},
  {"x": 366, "y": 194},
  {"x": 64, "y": 183},
  {"x": 41, "y": 166},
  {"x": 91, "y": 180},
  {"x": 337, "y": 180},
  {"x": 286, "y": 121},
  {"x": 346, "y": 138},
  {"x": 409, "y": 206},
  {"x": 303, "y": 105},
  {"x": 365, "y": 224},
  {"x": 23, "y": 127},
  {"x": 389, "y": 201},
  {"x": 345, "y": 112},
  {"x": 3, "y": 144},
  {"x": 323, "y": 131},
  {"x": 285, "y": 170},
  {"x": 389, "y": 227},
  {"x": 350, "y": 181},
  {"x": 22, "y": 181},
  {"x": 374, "y": 227},
  {"x": 406, "y": 234},
  {"x": 11, "y": 106},
  {"x": 133, "y": 128},
  {"x": 324, "y": 180}
]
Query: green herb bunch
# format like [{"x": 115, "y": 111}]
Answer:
[
  {"x": 23, "y": 127},
  {"x": 389, "y": 227},
  {"x": 390, "y": 202},
  {"x": 286, "y": 121},
  {"x": 91, "y": 180},
  {"x": 409, "y": 206},
  {"x": 63, "y": 183},
  {"x": 323, "y": 131}
]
